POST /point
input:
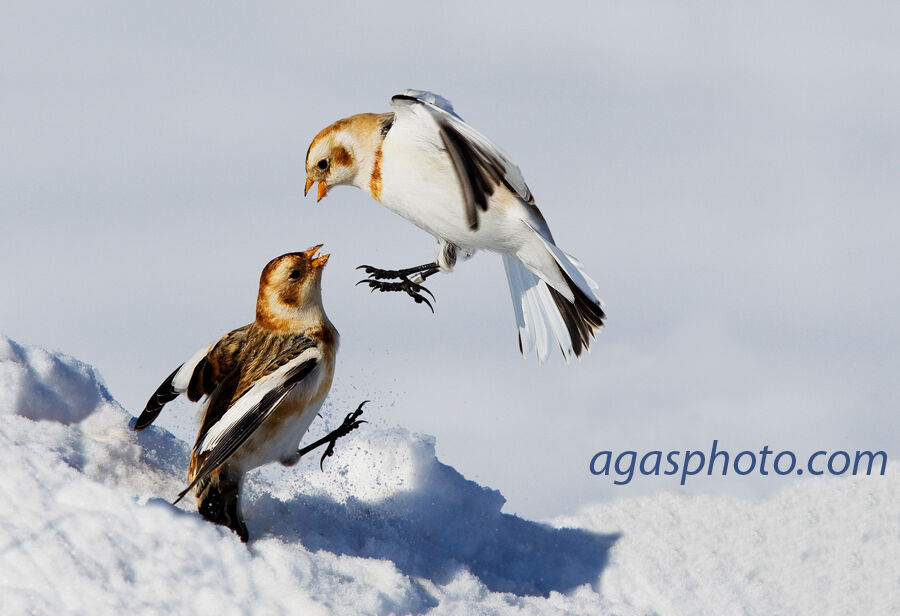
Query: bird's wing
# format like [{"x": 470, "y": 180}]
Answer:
[
  {"x": 199, "y": 375},
  {"x": 246, "y": 414},
  {"x": 480, "y": 164},
  {"x": 244, "y": 375}
]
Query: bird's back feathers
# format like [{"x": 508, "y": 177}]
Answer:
[{"x": 480, "y": 164}]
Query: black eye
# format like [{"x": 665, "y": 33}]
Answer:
[
  {"x": 295, "y": 274},
  {"x": 322, "y": 164}
]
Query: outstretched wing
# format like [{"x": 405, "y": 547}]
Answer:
[
  {"x": 250, "y": 411},
  {"x": 198, "y": 376},
  {"x": 479, "y": 163}
]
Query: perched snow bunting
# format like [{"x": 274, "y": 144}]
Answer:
[
  {"x": 426, "y": 164},
  {"x": 264, "y": 384}
]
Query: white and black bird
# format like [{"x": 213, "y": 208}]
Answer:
[
  {"x": 264, "y": 384},
  {"x": 423, "y": 162}
]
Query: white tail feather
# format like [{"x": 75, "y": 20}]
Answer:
[
  {"x": 554, "y": 299},
  {"x": 537, "y": 317}
]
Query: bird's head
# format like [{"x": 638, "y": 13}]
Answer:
[
  {"x": 290, "y": 289},
  {"x": 344, "y": 153}
]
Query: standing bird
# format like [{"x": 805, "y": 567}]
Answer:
[
  {"x": 426, "y": 164},
  {"x": 264, "y": 383}
]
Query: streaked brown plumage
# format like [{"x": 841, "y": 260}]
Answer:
[{"x": 264, "y": 383}]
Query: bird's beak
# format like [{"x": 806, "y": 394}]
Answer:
[
  {"x": 318, "y": 262},
  {"x": 323, "y": 190},
  {"x": 309, "y": 183}
]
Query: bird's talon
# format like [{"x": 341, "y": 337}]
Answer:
[{"x": 404, "y": 284}]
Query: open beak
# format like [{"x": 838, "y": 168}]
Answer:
[
  {"x": 323, "y": 190},
  {"x": 318, "y": 262},
  {"x": 309, "y": 183}
]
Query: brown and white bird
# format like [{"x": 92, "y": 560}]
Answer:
[
  {"x": 264, "y": 384},
  {"x": 423, "y": 162}
]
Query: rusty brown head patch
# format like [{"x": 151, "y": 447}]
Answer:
[
  {"x": 341, "y": 157},
  {"x": 289, "y": 294}
]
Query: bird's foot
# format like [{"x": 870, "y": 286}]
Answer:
[
  {"x": 377, "y": 273},
  {"x": 351, "y": 423},
  {"x": 407, "y": 280}
]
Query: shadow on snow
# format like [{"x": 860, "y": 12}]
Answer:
[{"x": 431, "y": 532}]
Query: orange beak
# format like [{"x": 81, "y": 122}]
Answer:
[
  {"x": 323, "y": 190},
  {"x": 309, "y": 183},
  {"x": 318, "y": 262}
]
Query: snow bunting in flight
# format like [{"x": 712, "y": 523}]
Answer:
[
  {"x": 264, "y": 383},
  {"x": 426, "y": 164}
]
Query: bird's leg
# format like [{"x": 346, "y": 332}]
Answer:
[
  {"x": 219, "y": 502},
  {"x": 351, "y": 422},
  {"x": 383, "y": 274},
  {"x": 409, "y": 280}
]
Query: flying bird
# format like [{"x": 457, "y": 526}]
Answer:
[
  {"x": 423, "y": 162},
  {"x": 264, "y": 384}
]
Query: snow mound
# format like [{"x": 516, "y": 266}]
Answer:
[
  {"x": 40, "y": 385},
  {"x": 86, "y": 526},
  {"x": 386, "y": 496}
]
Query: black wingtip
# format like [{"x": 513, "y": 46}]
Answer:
[
  {"x": 147, "y": 416},
  {"x": 140, "y": 423},
  {"x": 404, "y": 97},
  {"x": 162, "y": 396},
  {"x": 183, "y": 493}
]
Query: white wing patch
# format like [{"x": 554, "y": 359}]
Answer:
[
  {"x": 250, "y": 402},
  {"x": 182, "y": 378}
]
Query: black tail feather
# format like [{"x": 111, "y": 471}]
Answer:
[{"x": 582, "y": 318}]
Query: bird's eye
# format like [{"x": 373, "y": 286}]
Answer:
[
  {"x": 322, "y": 164},
  {"x": 295, "y": 274}
]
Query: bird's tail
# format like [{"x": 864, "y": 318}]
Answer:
[{"x": 545, "y": 313}]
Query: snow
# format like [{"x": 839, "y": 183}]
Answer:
[{"x": 86, "y": 526}]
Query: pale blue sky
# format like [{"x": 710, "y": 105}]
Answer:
[{"x": 728, "y": 177}]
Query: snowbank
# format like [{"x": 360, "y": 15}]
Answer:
[{"x": 86, "y": 526}]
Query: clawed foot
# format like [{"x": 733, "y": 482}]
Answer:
[
  {"x": 379, "y": 279},
  {"x": 351, "y": 423}
]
